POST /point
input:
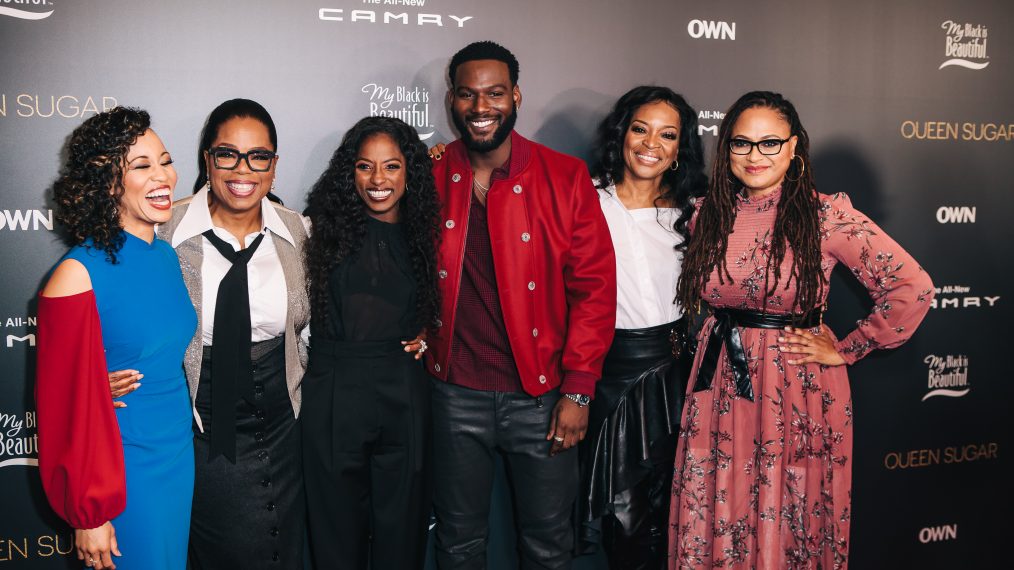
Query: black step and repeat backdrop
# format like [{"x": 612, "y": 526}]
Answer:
[{"x": 908, "y": 104}]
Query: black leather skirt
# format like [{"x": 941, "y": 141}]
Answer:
[{"x": 634, "y": 418}]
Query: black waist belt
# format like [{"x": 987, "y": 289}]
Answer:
[{"x": 725, "y": 332}]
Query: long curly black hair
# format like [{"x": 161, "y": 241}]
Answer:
[
  {"x": 679, "y": 186},
  {"x": 339, "y": 217},
  {"x": 90, "y": 186},
  {"x": 797, "y": 222}
]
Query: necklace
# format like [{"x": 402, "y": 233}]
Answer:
[{"x": 482, "y": 189}]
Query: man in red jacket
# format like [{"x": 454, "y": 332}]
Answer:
[{"x": 528, "y": 283}]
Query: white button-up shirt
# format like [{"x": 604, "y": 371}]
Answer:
[
  {"x": 647, "y": 265},
  {"x": 266, "y": 280}
]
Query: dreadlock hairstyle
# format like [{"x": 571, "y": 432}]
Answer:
[
  {"x": 339, "y": 217},
  {"x": 797, "y": 223},
  {"x": 679, "y": 186}
]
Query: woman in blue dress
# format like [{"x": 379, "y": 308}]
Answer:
[{"x": 123, "y": 478}]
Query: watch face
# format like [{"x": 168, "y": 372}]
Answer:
[{"x": 579, "y": 399}]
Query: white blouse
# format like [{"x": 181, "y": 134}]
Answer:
[
  {"x": 266, "y": 279},
  {"x": 647, "y": 265}
]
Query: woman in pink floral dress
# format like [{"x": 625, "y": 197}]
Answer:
[{"x": 763, "y": 468}]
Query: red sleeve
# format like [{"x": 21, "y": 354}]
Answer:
[
  {"x": 80, "y": 451},
  {"x": 590, "y": 279}
]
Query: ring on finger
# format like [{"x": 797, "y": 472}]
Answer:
[
  {"x": 558, "y": 439},
  {"x": 422, "y": 346}
]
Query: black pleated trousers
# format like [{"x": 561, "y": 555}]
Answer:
[{"x": 366, "y": 436}]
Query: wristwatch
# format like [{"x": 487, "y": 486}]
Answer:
[{"x": 581, "y": 400}]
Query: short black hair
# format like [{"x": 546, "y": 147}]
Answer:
[{"x": 484, "y": 50}]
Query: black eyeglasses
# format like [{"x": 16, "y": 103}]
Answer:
[
  {"x": 228, "y": 158},
  {"x": 767, "y": 147}
]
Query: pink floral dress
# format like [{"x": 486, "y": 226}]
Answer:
[{"x": 767, "y": 484}]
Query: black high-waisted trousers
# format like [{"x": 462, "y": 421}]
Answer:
[{"x": 366, "y": 434}]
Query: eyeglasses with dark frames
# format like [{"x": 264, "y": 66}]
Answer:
[
  {"x": 228, "y": 158},
  {"x": 767, "y": 147}
]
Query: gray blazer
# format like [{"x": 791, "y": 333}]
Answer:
[{"x": 191, "y": 254}]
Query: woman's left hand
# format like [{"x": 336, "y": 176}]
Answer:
[
  {"x": 416, "y": 345},
  {"x": 818, "y": 348},
  {"x": 123, "y": 382}
]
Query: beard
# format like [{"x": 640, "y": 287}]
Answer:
[{"x": 499, "y": 135}]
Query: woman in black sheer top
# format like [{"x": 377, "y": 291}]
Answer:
[{"x": 371, "y": 264}]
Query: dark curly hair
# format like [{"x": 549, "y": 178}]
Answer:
[
  {"x": 231, "y": 109},
  {"x": 679, "y": 186},
  {"x": 797, "y": 223},
  {"x": 339, "y": 217},
  {"x": 97, "y": 150},
  {"x": 484, "y": 50}
]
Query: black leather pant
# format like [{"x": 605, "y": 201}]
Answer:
[{"x": 469, "y": 426}]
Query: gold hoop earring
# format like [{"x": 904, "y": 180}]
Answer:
[
  {"x": 675, "y": 165},
  {"x": 802, "y": 169}
]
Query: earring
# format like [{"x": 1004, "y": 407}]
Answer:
[
  {"x": 802, "y": 169},
  {"x": 207, "y": 185},
  {"x": 272, "y": 187},
  {"x": 675, "y": 165}
]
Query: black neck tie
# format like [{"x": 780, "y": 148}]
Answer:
[{"x": 231, "y": 365}]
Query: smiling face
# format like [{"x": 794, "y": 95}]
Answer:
[
  {"x": 484, "y": 104},
  {"x": 148, "y": 182},
  {"x": 761, "y": 173},
  {"x": 652, "y": 141},
  {"x": 380, "y": 177},
  {"x": 240, "y": 189}
]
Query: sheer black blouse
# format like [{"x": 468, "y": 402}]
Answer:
[{"x": 373, "y": 292}]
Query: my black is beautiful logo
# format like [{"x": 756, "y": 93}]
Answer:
[
  {"x": 410, "y": 103},
  {"x": 947, "y": 376},
  {"x": 19, "y": 439},
  {"x": 965, "y": 45}
]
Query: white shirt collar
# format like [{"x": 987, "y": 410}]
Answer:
[{"x": 197, "y": 220}]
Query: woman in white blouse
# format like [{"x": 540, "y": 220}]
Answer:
[
  {"x": 242, "y": 261},
  {"x": 649, "y": 168}
]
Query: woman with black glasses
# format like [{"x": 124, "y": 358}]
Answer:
[
  {"x": 763, "y": 468},
  {"x": 242, "y": 261}
]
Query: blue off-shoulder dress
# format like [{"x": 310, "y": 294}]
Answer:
[{"x": 147, "y": 320}]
